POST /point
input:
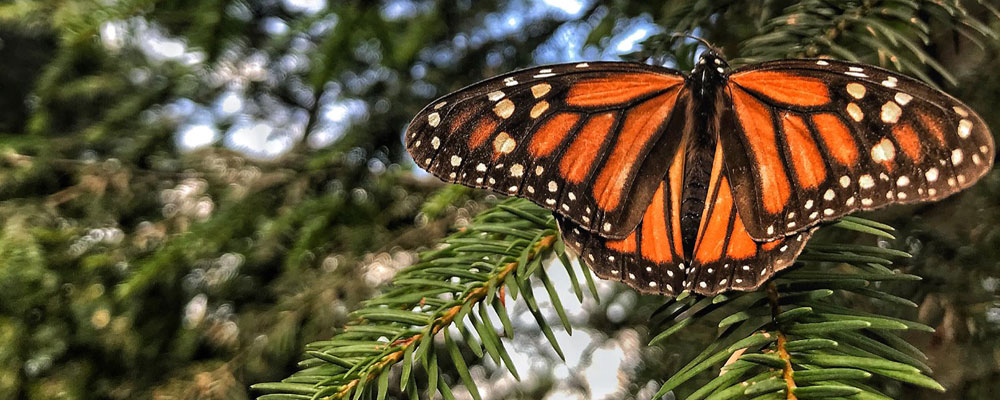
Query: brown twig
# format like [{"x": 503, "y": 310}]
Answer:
[{"x": 788, "y": 373}]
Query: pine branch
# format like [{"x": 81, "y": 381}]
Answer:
[
  {"x": 796, "y": 338},
  {"x": 791, "y": 339},
  {"x": 494, "y": 256},
  {"x": 892, "y": 33}
]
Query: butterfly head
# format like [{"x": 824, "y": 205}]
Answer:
[
  {"x": 711, "y": 62},
  {"x": 709, "y": 72}
]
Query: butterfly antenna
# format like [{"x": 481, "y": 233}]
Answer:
[{"x": 700, "y": 40}]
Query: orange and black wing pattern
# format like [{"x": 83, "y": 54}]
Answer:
[
  {"x": 588, "y": 141},
  {"x": 709, "y": 182},
  {"x": 725, "y": 256},
  {"x": 812, "y": 140},
  {"x": 652, "y": 258}
]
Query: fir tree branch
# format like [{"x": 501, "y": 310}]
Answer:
[
  {"x": 805, "y": 335},
  {"x": 891, "y": 33},
  {"x": 494, "y": 256}
]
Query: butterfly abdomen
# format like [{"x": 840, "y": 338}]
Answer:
[
  {"x": 695, "y": 189},
  {"x": 701, "y": 148}
]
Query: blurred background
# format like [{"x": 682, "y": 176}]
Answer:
[{"x": 191, "y": 190}]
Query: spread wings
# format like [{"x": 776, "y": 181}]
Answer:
[
  {"x": 604, "y": 146},
  {"x": 812, "y": 140},
  {"x": 588, "y": 140}
]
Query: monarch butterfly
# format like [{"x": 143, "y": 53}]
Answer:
[{"x": 709, "y": 181}]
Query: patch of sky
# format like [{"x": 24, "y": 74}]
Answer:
[
  {"x": 308, "y": 7},
  {"x": 274, "y": 26},
  {"x": 258, "y": 139},
  {"x": 150, "y": 39},
  {"x": 395, "y": 10},
  {"x": 568, "y": 42}
]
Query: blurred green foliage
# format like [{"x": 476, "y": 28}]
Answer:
[{"x": 139, "y": 259}]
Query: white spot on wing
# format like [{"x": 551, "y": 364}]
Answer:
[
  {"x": 964, "y": 128},
  {"x": 855, "y": 112},
  {"x": 856, "y": 90},
  {"x": 539, "y": 108},
  {"x": 540, "y": 90},
  {"x": 891, "y": 112},
  {"x": 494, "y": 96},
  {"x": 504, "y": 109},
  {"x": 516, "y": 170},
  {"x": 503, "y": 143},
  {"x": 883, "y": 151},
  {"x": 845, "y": 181},
  {"x": 931, "y": 175},
  {"x": 866, "y": 181},
  {"x": 902, "y": 98}
]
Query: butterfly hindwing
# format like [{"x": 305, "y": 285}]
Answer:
[
  {"x": 725, "y": 256},
  {"x": 813, "y": 140},
  {"x": 589, "y": 141},
  {"x": 651, "y": 259},
  {"x": 648, "y": 259}
]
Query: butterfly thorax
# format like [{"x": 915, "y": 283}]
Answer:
[{"x": 705, "y": 84}]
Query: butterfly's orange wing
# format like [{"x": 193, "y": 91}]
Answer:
[
  {"x": 725, "y": 256},
  {"x": 812, "y": 140},
  {"x": 652, "y": 260},
  {"x": 589, "y": 141}
]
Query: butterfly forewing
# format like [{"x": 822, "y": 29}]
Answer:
[
  {"x": 813, "y": 140},
  {"x": 588, "y": 140}
]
